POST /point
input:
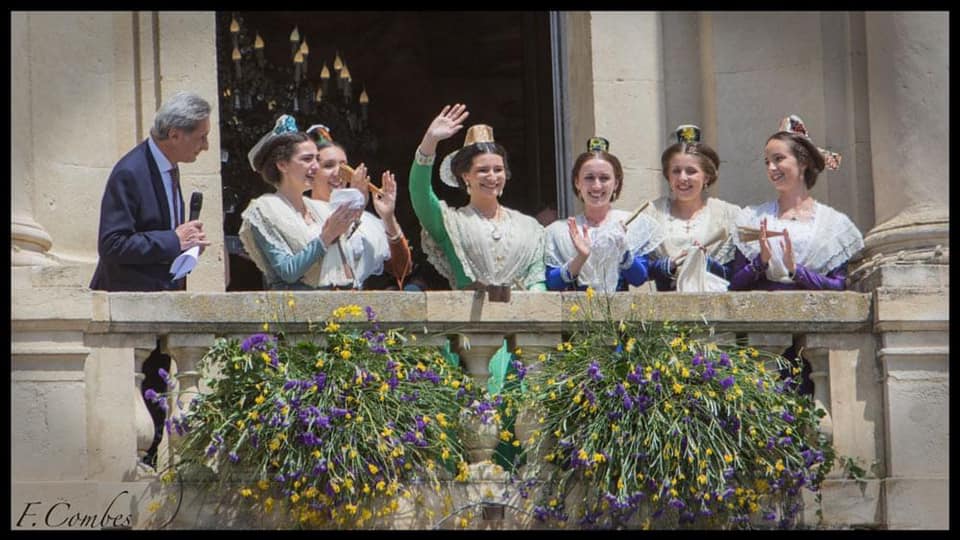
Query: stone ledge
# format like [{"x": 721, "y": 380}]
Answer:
[{"x": 443, "y": 311}]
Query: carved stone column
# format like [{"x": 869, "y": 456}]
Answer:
[
  {"x": 30, "y": 242},
  {"x": 906, "y": 261},
  {"x": 908, "y": 81}
]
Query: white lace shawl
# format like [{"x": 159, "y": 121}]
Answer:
[
  {"x": 280, "y": 224},
  {"x": 602, "y": 269},
  {"x": 715, "y": 216},
  {"x": 365, "y": 251},
  {"x": 821, "y": 246},
  {"x": 515, "y": 260},
  {"x": 283, "y": 228}
]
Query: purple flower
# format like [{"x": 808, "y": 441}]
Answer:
[
  {"x": 371, "y": 315},
  {"x": 787, "y": 417},
  {"x": 627, "y": 402},
  {"x": 151, "y": 395},
  {"x": 211, "y": 450},
  {"x": 786, "y": 441},
  {"x": 234, "y": 458},
  {"x": 256, "y": 342},
  {"x": 337, "y": 411},
  {"x": 655, "y": 376},
  {"x": 521, "y": 370},
  {"x": 697, "y": 359},
  {"x": 594, "y": 371},
  {"x": 727, "y": 382},
  {"x": 724, "y": 359}
]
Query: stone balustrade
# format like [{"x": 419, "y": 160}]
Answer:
[{"x": 94, "y": 343}]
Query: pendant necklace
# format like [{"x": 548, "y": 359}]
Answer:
[{"x": 495, "y": 233}]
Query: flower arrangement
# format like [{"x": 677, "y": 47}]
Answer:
[
  {"x": 329, "y": 431},
  {"x": 658, "y": 426}
]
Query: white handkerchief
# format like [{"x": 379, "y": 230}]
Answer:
[
  {"x": 184, "y": 263},
  {"x": 349, "y": 196}
]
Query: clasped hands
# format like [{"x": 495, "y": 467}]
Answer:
[{"x": 785, "y": 245}]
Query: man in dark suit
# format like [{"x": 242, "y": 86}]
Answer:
[{"x": 142, "y": 224}]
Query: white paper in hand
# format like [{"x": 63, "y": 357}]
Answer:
[
  {"x": 183, "y": 264},
  {"x": 348, "y": 196}
]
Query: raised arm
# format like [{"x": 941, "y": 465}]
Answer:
[{"x": 425, "y": 202}]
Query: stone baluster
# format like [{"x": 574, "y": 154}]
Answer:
[
  {"x": 817, "y": 353},
  {"x": 143, "y": 422},
  {"x": 526, "y": 425},
  {"x": 480, "y": 439},
  {"x": 186, "y": 351}
]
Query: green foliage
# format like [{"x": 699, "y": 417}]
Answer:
[
  {"x": 657, "y": 425},
  {"x": 332, "y": 430}
]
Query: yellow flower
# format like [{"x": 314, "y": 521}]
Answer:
[
  {"x": 345, "y": 354},
  {"x": 677, "y": 388},
  {"x": 260, "y": 399},
  {"x": 246, "y": 492},
  {"x": 240, "y": 424},
  {"x": 591, "y": 293},
  {"x": 263, "y": 485},
  {"x": 266, "y": 327},
  {"x": 253, "y": 415},
  {"x": 291, "y": 303},
  {"x": 727, "y": 458},
  {"x": 702, "y": 479},
  {"x": 373, "y": 468},
  {"x": 455, "y": 384},
  {"x": 574, "y": 308}
]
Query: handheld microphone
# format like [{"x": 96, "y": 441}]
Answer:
[{"x": 196, "y": 202}]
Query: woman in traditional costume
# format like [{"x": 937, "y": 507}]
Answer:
[
  {"x": 483, "y": 245},
  {"x": 286, "y": 234},
  {"x": 603, "y": 248},
  {"x": 374, "y": 244},
  {"x": 794, "y": 242},
  {"x": 698, "y": 249}
]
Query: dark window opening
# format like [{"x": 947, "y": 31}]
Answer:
[{"x": 410, "y": 64}]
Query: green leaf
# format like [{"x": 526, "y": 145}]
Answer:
[{"x": 498, "y": 366}]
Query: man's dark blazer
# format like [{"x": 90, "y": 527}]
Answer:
[{"x": 136, "y": 242}]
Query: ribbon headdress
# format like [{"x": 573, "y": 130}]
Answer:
[
  {"x": 478, "y": 133},
  {"x": 794, "y": 124},
  {"x": 320, "y": 134},
  {"x": 284, "y": 124}
]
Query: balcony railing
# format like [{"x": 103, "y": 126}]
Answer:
[{"x": 92, "y": 345}]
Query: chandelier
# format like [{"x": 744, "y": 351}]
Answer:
[{"x": 258, "y": 82}]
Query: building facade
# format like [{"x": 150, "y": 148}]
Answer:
[{"x": 872, "y": 86}]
